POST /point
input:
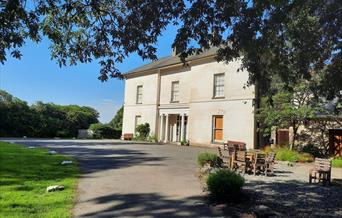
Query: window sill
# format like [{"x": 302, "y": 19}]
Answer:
[{"x": 219, "y": 97}]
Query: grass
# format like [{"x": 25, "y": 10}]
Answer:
[
  {"x": 24, "y": 175},
  {"x": 285, "y": 154},
  {"x": 337, "y": 162}
]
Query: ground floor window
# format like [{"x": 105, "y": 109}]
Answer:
[
  {"x": 137, "y": 121},
  {"x": 217, "y": 128}
]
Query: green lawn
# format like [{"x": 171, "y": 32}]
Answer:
[
  {"x": 24, "y": 175},
  {"x": 337, "y": 162}
]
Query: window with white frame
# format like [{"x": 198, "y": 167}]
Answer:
[
  {"x": 175, "y": 91},
  {"x": 139, "y": 94},
  {"x": 218, "y": 85}
]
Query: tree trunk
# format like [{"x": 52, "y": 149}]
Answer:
[{"x": 295, "y": 128}]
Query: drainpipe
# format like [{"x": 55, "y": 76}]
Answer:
[{"x": 157, "y": 126}]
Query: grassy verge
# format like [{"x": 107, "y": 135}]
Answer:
[
  {"x": 337, "y": 162},
  {"x": 25, "y": 174}
]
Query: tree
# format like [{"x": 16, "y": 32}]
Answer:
[
  {"x": 293, "y": 39},
  {"x": 42, "y": 119},
  {"x": 117, "y": 121},
  {"x": 288, "y": 109}
]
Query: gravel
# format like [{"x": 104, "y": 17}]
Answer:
[{"x": 289, "y": 193}]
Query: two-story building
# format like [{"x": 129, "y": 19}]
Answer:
[{"x": 204, "y": 101}]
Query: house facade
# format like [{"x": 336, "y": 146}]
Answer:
[{"x": 203, "y": 101}]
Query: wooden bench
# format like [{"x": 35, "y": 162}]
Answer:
[
  {"x": 127, "y": 136},
  {"x": 321, "y": 172}
]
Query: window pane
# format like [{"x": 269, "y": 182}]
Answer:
[
  {"x": 139, "y": 94},
  {"x": 219, "y": 85},
  {"x": 174, "y": 91}
]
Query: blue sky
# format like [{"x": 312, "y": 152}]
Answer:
[{"x": 37, "y": 78}]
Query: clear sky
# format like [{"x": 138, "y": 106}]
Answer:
[{"x": 38, "y": 78}]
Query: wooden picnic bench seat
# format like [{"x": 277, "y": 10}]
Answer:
[{"x": 321, "y": 172}]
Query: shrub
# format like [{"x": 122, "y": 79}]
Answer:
[
  {"x": 337, "y": 162},
  {"x": 312, "y": 149},
  {"x": 267, "y": 149},
  {"x": 305, "y": 157},
  {"x": 152, "y": 138},
  {"x": 209, "y": 158},
  {"x": 101, "y": 131},
  {"x": 143, "y": 130},
  {"x": 224, "y": 185},
  {"x": 285, "y": 154}
]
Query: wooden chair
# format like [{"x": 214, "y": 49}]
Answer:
[
  {"x": 240, "y": 161},
  {"x": 270, "y": 158},
  {"x": 239, "y": 146},
  {"x": 225, "y": 158},
  {"x": 321, "y": 172},
  {"x": 259, "y": 163}
]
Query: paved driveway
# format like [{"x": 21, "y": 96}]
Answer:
[{"x": 130, "y": 180}]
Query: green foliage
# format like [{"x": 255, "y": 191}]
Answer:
[
  {"x": 142, "y": 131},
  {"x": 337, "y": 162},
  {"x": 209, "y": 158},
  {"x": 285, "y": 154},
  {"x": 297, "y": 39},
  {"x": 312, "y": 149},
  {"x": 104, "y": 131},
  {"x": 152, "y": 138},
  {"x": 25, "y": 175},
  {"x": 117, "y": 121},
  {"x": 287, "y": 108},
  {"x": 224, "y": 185},
  {"x": 42, "y": 120}
]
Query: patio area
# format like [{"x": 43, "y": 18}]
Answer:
[{"x": 289, "y": 193}]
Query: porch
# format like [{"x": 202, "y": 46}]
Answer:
[{"x": 173, "y": 125}]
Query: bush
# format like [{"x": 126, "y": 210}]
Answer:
[
  {"x": 312, "y": 149},
  {"x": 267, "y": 149},
  {"x": 337, "y": 162},
  {"x": 101, "y": 131},
  {"x": 285, "y": 154},
  {"x": 209, "y": 158},
  {"x": 305, "y": 158},
  {"x": 143, "y": 130},
  {"x": 224, "y": 185}
]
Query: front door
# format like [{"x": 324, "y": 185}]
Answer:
[{"x": 218, "y": 128}]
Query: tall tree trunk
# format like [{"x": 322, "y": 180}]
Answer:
[{"x": 295, "y": 128}]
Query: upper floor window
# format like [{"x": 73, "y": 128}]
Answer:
[
  {"x": 218, "y": 85},
  {"x": 175, "y": 91},
  {"x": 139, "y": 94}
]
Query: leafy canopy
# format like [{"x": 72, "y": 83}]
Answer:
[{"x": 293, "y": 39}]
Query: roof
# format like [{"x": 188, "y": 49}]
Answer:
[{"x": 172, "y": 60}]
